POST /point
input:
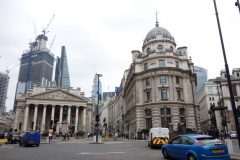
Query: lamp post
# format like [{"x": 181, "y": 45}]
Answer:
[
  {"x": 228, "y": 76},
  {"x": 97, "y": 75},
  {"x": 237, "y": 5}
]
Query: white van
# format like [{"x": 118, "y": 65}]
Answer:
[{"x": 158, "y": 137}]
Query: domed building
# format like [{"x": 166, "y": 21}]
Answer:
[{"x": 158, "y": 90}]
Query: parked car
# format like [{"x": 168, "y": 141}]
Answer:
[
  {"x": 16, "y": 138},
  {"x": 195, "y": 147},
  {"x": 233, "y": 134},
  {"x": 30, "y": 138}
]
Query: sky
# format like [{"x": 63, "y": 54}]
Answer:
[{"x": 99, "y": 35}]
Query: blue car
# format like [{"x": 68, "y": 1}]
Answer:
[
  {"x": 30, "y": 138},
  {"x": 195, "y": 147}
]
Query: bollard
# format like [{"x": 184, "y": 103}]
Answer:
[
  {"x": 229, "y": 145},
  {"x": 47, "y": 139}
]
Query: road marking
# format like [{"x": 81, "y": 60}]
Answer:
[
  {"x": 119, "y": 145},
  {"x": 100, "y": 153}
]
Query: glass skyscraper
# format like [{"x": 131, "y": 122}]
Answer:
[
  {"x": 95, "y": 89},
  {"x": 61, "y": 72},
  {"x": 201, "y": 77}
]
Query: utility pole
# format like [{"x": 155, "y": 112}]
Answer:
[
  {"x": 228, "y": 77},
  {"x": 98, "y": 75}
]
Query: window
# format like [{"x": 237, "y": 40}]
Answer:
[
  {"x": 182, "y": 120},
  {"x": 164, "y": 93},
  {"x": 209, "y": 98},
  {"x": 179, "y": 94},
  {"x": 176, "y": 140},
  {"x": 213, "y": 98},
  {"x": 161, "y": 63},
  {"x": 162, "y": 79},
  {"x": 177, "y": 80},
  {"x": 165, "y": 111},
  {"x": 182, "y": 111},
  {"x": 148, "y": 51},
  {"x": 186, "y": 141},
  {"x": 171, "y": 49},
  {"x": 234, "y": 89},
  {"x": 145, "y": 66},
  {"x": 225, "y": 75},
  {"x": 148, "y": 122},
  {"x": 177, "y": 64},
  {"x": 147, "y": 81},
  {"x": 210, "y": 88},
  {"x": 165, "y": 121},
  {"x": 148, "y": 96},
  {"x": 148, "y": 112},
  {"x": 237, "y": 74},
  {"x": 160, "y": 48}
]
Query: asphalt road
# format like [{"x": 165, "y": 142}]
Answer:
[{"x": 126, "y": 150}]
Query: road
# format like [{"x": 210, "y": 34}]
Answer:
[{"x": 134, "y": 150}]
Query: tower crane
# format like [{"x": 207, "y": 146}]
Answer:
[
  {"x": 45, "y": 29},
  {"x": 35, "y": 30},
  {"x": 8, "y": 70},
  {"x": 52, "y": 43}
]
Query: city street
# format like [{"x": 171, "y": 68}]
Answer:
[{"x": 81, "y": 149}]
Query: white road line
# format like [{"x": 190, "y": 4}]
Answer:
[
  {"x": 119, "y": 145},
  {"x": 100, "y": 153}
]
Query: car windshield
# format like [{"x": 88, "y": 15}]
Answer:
[
  {"x": 208, "y": 141},
  {"x": 233, "y": 132}
]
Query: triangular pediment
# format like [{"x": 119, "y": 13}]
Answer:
[{"x": 58, "y": 94}]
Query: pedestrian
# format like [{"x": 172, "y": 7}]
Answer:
[
  {"x": 213, "y": 131},
  {"x": 222, "y": 135},
  {"x": 88, "y": 134},
  {"x": 64, "y": 136},
  {"x": 115, "y": 136}
]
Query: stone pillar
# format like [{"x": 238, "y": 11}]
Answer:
[
  {"x": 84, "y": 118},
  {"x": 26, "y": 118},
  {"x": 35, "y": 116},
  {"x": 155, "y": 117},
  {"x": 61, "y": 114},
  {"x": 76, "y": 119},
  {"x": 90, "y": 120},
  {"x": 185, "y": 93},
  {"x": 16, "y": 118},
  {"x": 69, "y": 115},
  {"x": 53, "y": 112},
  {"x": 43, "y": 118},
  {"x": 153, "y": 89}
]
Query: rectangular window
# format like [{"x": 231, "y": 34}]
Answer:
[
  {"x": 145, "y": 66},
  {"x": 210, "y": 88},
  {"x": 165, "y": 111},
  {"x": 213, "y": 98},
  {"x": 179, "y": 94},
  {"x": 177, "y": 64},
  {"x": 234, "y": 89},
  {"x": 147, "y": 81},
  {"x": 148, "y": 112},
  {"x": 162, "y": 79},
  {"x": 182, "y": 119},
  {"x": 148, "y": 96},
  {"x": 177, "y": 80},
  {"x": 161, "y": 63},
  {"x": 182, "y": 111},
  {"x": 149, "y": 123},
  {"x": 164, "y": 93},
  {"x": 209, "y": 98},
  {"x": 165, "y": 121}
]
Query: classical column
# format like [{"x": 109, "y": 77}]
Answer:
[
  {"x": 84, "y": 118},
  {"x": 76, "y": 119},
  {"x": 90, "y": 120},
  {"x": 35, "y": 116},
  {"x": 43, "y": 118},
  {"x": 155, "y": 117},
  {"x": 53, "y": 112},
  {"x": 69, "y": 114},
  {"x": 61, "y": 114},
  {"x": 16, "y": 118},
  {"x": 26, "y": 117}
]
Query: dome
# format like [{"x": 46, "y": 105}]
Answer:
[{"x": 158, "y": 31}]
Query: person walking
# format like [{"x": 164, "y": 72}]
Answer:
[
  {"x": 213, "y": 131},
  {"x": 64, "y": 137},
  {"x": 115, "y": 136},
  {"x": 88, "y": 135}
]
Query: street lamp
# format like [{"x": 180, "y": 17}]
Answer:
[
  {"x": 237, "y": 5},
  {"x": 97, "y": 75},
  {"x": 228, "y": 76}
]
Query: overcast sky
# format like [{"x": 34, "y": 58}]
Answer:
[{"x": 103, "y": 33}]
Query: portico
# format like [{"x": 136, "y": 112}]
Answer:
[{"x": 43, "y": 108}]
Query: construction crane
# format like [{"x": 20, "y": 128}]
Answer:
[
  {"x": 52, "y": 43},
  {"x": 44, "y": 30},
  {"x": 8, "y": 70},
  {"x": 35, "y": 30}
]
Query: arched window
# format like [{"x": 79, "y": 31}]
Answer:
[
  {"x": 160, "y": 48},
  {"x": 171, "y": 48},
  {"x": 148, "y": 51}
]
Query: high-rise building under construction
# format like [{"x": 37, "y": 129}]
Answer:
[
  {"x": 61, "y": 72},
  {"x": 4, "y": 79}
]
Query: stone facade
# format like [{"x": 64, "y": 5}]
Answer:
[{"x": 64, "y": 110}]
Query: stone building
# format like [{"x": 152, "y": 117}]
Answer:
[
  {"x": 64, "y": 110},
  {"x": 159, "y": 89}
]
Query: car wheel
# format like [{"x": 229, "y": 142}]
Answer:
[
  {"x": 191, "y": 157},
  {"x": 20, "y": 144},
  {"x": 37, "y": 145},
  {"x": 165, "y": 154},
  {"x": 151, "y": 146}
]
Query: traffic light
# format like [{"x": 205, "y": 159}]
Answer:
[{"x": 97, "y": 118}]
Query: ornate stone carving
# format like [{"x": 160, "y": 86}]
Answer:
[{"x": 57, "y": 96}]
